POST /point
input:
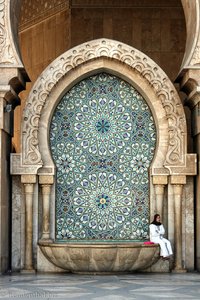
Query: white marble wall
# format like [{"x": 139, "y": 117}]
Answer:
[
  {"x": 188, "y": 224},
  {"x": 18, "y": 223}
]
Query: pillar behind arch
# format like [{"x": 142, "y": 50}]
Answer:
[{"x": 28, "y": 181}]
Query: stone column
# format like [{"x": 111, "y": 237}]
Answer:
[
  {"x": 159, "y": 184},
  {"x": 177, "y": 184},
  {"x": 6, "y": 125},
  {"x": 28, "y": 181},
  {"x": 196, "y": 138},
  {"x": 159, "y": 193},
  {"x": 190, "y": 84},
  {"x": 12, "y": 81},
  {"x": 46, "y": 182}
]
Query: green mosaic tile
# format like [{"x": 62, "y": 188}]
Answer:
[{"x": 102, "y": 139}]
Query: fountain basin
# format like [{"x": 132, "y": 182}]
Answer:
[{"x": 101, "y": 257}]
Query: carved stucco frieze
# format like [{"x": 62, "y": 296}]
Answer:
[
  {"x": 196, "y": 56},
  {"x": 192, "y": 50},
  {"x": 8, "y": 54},
  {"x": 139, "y": 62}
]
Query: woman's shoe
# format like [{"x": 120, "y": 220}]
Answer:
[{"x": 166, "y": 258}]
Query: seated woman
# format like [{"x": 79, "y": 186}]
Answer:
[{"x": 156, "y": 236}]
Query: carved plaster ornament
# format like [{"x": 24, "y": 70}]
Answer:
[
  {"x": 139, "y": 62},
  {"x": 196, "y": 56},
  {"x": 8, "y": 54}
]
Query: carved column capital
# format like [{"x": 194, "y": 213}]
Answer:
[
  {"x": 46, "y": 188},
  {"x": 189, "y": 82},
  {"x": 159, "y": 189},
  {"x": 160, "y": 179},
  {"x": 159, "y": 183},
  {"x": 28, "y": 179},
  {"x": 178, "y": 180},
  {"x": 177, "y": 189},
  {"x": 46, "y": 179},
  {"x": 28, "y": 188},
  {"x": 159, "y": 195}
]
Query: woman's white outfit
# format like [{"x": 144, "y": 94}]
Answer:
[{"x": 156, "y": 236}]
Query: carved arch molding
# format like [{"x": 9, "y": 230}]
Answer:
[
  {"x": 9, "y": 19},
  {"x": 175, "y": 159}
]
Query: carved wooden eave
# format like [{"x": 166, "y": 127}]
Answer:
[{"x": 39, "y": 10}]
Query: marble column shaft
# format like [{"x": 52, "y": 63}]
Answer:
[
  {"x": 28, "y": 264},
  {"x": 5, "y": 148},
  {"x": 46, "y": 182},
  {"x": 159, "y": 193},
  {"x": 196, "y": 138},
  {"x": 178, "y": 225},
  {"x": 46, "y": 189},
  {"x": 159, "y": 183},
  {"x": 190, "y": 84},
  {"x": 12, "y": 80}
]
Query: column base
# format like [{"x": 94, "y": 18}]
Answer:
[
  {"x": 24, "y": 271},
  {"x": 179, "y": 271},
  {"x": 45, "y": 241}
]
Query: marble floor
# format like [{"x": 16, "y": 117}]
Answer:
[{"x": 101, "y": 287}]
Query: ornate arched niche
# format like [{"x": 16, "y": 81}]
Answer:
[
  {"x": 120, "y": 59},
  {"x": 127, "y": 63},
  {"x": 170, "y": 163}
]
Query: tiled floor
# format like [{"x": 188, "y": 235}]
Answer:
[{"x": 104, "y": 287}]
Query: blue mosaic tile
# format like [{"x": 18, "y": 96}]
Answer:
[{"x": 102, "y": 139}]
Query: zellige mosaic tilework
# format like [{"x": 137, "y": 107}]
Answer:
[{"x": 102, "y": 139}]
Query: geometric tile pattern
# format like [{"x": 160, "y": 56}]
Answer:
[
  {"x": 102, "y": 140},
  {"x": 95, "y": 287}
]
